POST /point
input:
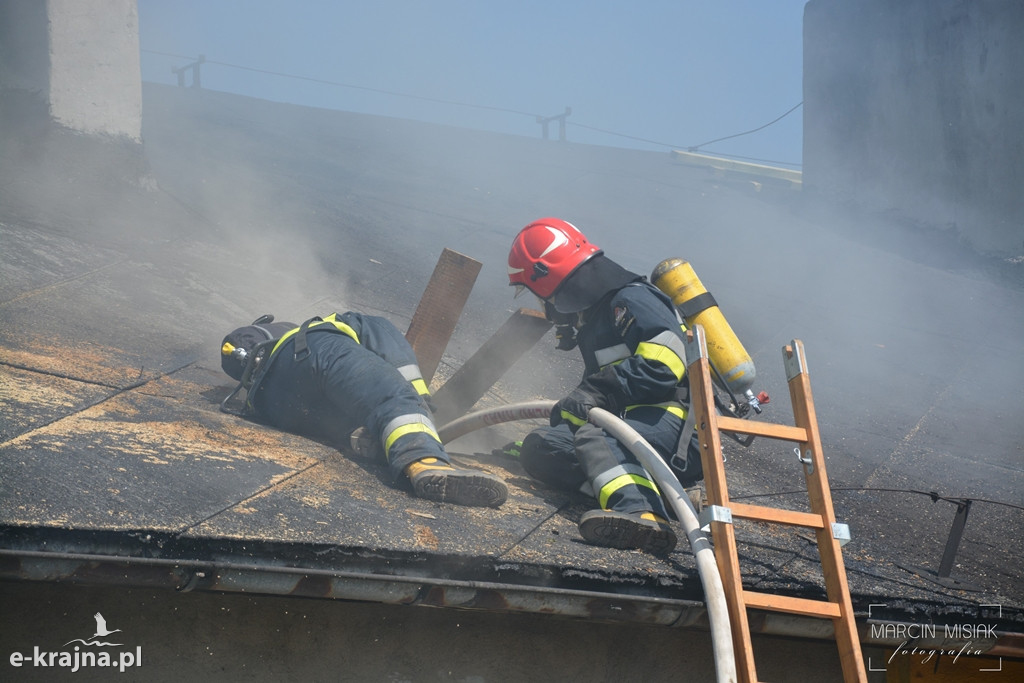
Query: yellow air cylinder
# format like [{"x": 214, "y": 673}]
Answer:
[{"x": 730, "y": 360}]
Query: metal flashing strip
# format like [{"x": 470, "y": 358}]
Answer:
[
  {"x": 722, "y": 165},
  {"x": 186, "y": 575},
  {"x": 213, "y": 576}
]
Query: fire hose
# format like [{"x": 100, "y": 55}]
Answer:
[{"x": 672, "y": 490}]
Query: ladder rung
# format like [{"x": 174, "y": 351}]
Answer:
[
  {"x": 766, "y": 429},
  {"x": 777, "y": 515},
  {"x": 785, "y": 603}
]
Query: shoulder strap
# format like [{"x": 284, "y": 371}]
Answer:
[
  {"x": 301, "y": 347},
  {"x": 300, "y": 332}
]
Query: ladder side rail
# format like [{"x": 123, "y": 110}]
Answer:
[
  {"x": 820, "y": 494},
  {"x": 702, "y": 404}
]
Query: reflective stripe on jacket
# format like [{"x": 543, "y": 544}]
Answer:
[{"x": 633, "y": 350}]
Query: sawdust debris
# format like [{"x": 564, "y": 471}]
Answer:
[{"x": 425, "y": 537}]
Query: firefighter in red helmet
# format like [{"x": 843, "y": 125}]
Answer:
[{"x": 631, "y": 340}]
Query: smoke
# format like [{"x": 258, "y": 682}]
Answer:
[{"x": 910, "y": 113}]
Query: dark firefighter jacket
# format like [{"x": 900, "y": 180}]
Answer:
[
  {"x": 371, "y": 332},
  {"x": 331, "y": 376},
  {"x": 632, "y": 348}
]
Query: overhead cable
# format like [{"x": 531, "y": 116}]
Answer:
[
  {"x": 488, "y": 107},
  {"x": 348, "y": 85},
  {"x": 730, "y": 137}
]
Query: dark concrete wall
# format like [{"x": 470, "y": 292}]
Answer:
[
  {"x": 24, "y": 46},
  {"x": 914, "y": 109},
  {"x": 236, "y": 637}
]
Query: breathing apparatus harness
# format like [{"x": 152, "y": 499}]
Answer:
[{"x": 252, "y": 358}]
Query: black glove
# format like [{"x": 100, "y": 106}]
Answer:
[
  {"x": 565, "y": 330},
  {"x": 566, "y": 336},
  {"x": 573, "y": 409}
]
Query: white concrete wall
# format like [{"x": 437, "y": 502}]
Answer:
[
  {"x": 95, "y": 82},
  {"x": 914, "y": 109}
]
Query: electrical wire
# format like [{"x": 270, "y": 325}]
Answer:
[
  {"x": 535, "y": 116},
  {"x": 931, "y": 494},
  {"x": 730, "y": 137},
  {"x": 623, "y": 135}
]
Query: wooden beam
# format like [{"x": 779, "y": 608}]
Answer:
[
  {"x": 439, "y": 309},
  {"x": 519, "y": 334}
]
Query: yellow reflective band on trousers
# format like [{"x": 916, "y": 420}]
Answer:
[
  {"x": 618, "y": 482},
  {"x": 329, "y": 320},
  {"x": 413, "y": 423},
  {"x": 421, "y": 387}
]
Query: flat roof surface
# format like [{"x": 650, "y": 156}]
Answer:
[{"x": 115, "y": 293}]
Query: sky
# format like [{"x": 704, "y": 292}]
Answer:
[{"x": 648, "y": 74}]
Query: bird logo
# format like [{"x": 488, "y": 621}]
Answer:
[
  {"x": 101, "y": 632},
  {"x": 101, "y": 627}
]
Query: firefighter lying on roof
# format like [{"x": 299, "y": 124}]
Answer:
[{"x": 349, "y": 374}]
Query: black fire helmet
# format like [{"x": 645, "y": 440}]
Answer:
[{"x": 237, "y": 345}]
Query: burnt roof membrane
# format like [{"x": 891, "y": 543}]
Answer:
[{"x": 117, "y": 466}]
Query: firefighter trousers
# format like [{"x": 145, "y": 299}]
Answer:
[
  {"x": 341, "y": 386},
  {"x": 591, "y": 461}
]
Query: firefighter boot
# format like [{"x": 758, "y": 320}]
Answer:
[
  {"x": 638, "y": 531},
  {"x": 435, "y": 479}
]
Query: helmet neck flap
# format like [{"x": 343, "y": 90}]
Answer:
[{"x": 589, "y": 283}]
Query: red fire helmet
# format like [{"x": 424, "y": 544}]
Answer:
[{"x": 545, "y": 253}]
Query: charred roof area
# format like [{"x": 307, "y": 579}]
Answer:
[{"x": 123, "y": 266}]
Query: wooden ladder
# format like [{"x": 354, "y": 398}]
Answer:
[{"x": 721, "y": 511}]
